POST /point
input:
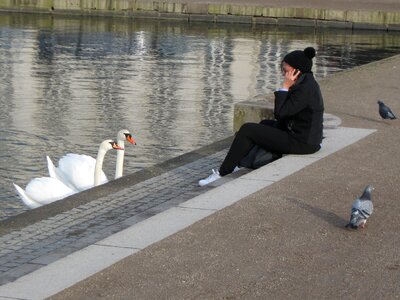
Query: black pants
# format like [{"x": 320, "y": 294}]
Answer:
[{"x": 267, "y": 135}]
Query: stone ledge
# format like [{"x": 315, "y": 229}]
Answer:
[
  {"x": 265, "y": 21},
  {"x": 174, "y": 16},
  {"x": 256, "y": 110},
  {"x": 334, "y": 24},
  {"x": 234, "y": 19},
  {"x": 201, "y": 18},
  {"x": 95, "y": 258},
  {"x": 393, "y": 27},
  {"x": 252, "y": 111},
  {"x": 235, "y": 13},
  {"x": 145, "y": 14},
  {"x": 296, "y": 22},
  {"x": 369, "y": 26},
  {"x": 197, "y": 8},
  {"x": 30, "y": 217}
]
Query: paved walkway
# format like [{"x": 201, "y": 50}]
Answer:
[
  {"x": 288, "y": 240},
  {"x": 31, "y": 245},
  {"x": 103, "y": 253},
  {"x": 284, "y": 241}
]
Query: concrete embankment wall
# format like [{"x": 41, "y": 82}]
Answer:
[{"x": 213, "y": 12}]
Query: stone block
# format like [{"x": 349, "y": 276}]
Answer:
[
  {"x": 332, "y": 15},
  {"x": 334, "y": 24},
  {"x": 265, "y": 21},
  {"x": 258, "y": 12},
  {"x": 244, "y": 10},
  {"x": 174, "y": 16},
  {"x": 122, "y": 5},
  {"x": 393, "y": 27},
  {"x": 296, "y": 22},
  {"x": 167, "y": 7},
  {"x": 393, "y": 18},
  {"x": 197, "y": 8},
  {"x": 201, "y": 18},
  {"x": 17, "y": 272},
  {"x": 234, "y": 19},
  {"x": 282, "y": 12},
  {"x": 290, "y": 12},
  {"x": 252, "y": 111},
  {"x": 366, "y": 17},
  {"x": 256, "y": 110},
  {"x": 69, "y": 5},
  {"x": 145, "y": 14},
  {"x": 305, "y": 13},
  {"x": 144, "y": 5},
  {"x": 86, "y": 4},
  {"x": 369, "y": 26},
  {"x": 219, "y": 9}
]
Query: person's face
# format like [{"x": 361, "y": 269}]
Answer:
[{"x": 285, "y": 68}]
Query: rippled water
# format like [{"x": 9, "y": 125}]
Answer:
[{"x": 69, "y": 83}]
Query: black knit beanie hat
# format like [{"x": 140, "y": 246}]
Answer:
[{"x": 301, "y": 60}]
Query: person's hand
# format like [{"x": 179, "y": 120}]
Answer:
[{"x": 290, "y": 78}]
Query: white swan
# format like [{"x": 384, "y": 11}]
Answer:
[
  {"x": 122, "y": 136},
  {"x": 81, "y": 172},
  {"x": 44, "y": 190},
  {"x": 61, "y": 172}
]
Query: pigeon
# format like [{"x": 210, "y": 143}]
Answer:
[
  {"x": 385, "y": 111},
  {"x": 361, "y": 209}
]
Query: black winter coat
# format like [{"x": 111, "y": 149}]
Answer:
[{"x": 300, "y": 110}]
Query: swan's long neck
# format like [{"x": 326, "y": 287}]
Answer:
[
  {"x": 99, "y": 166},
  {"x": 119, "y": 166}
]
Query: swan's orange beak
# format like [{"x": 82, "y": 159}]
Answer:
[
  {"x": 131, "y": 140},
  {"x": 117, "y": 147}
]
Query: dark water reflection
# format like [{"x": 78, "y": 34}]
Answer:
[{"x": 68, "y": 83}]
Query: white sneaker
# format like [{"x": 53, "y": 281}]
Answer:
[
  {"x": 236, "y": 169},
  {"x": 214, "y": 176}
]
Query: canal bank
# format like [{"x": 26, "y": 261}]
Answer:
[
  {"x": 284, "y": 240},
  {"x": 138, "y": 66},
  {"x": 358, "y": 14}
]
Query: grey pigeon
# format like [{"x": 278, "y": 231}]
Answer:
[
  {"x": 361, "y": 209},
  {"x": 385, "y": 111}
]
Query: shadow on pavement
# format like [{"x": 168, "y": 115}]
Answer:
[{"x": 323, "y": 214}]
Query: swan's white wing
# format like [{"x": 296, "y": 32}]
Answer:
[
  {"x": 24, "y": 197},
  {"x": 51, "y": 168},
  {"x": 78, "y": 169},
  {"x": 43, "y": 190},
  {"x": 58, "y": 174}
]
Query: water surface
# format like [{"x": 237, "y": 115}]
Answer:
[{"x": 66, "y": 84}]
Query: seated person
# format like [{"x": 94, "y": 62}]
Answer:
[{"x": 298, "y": 112}]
